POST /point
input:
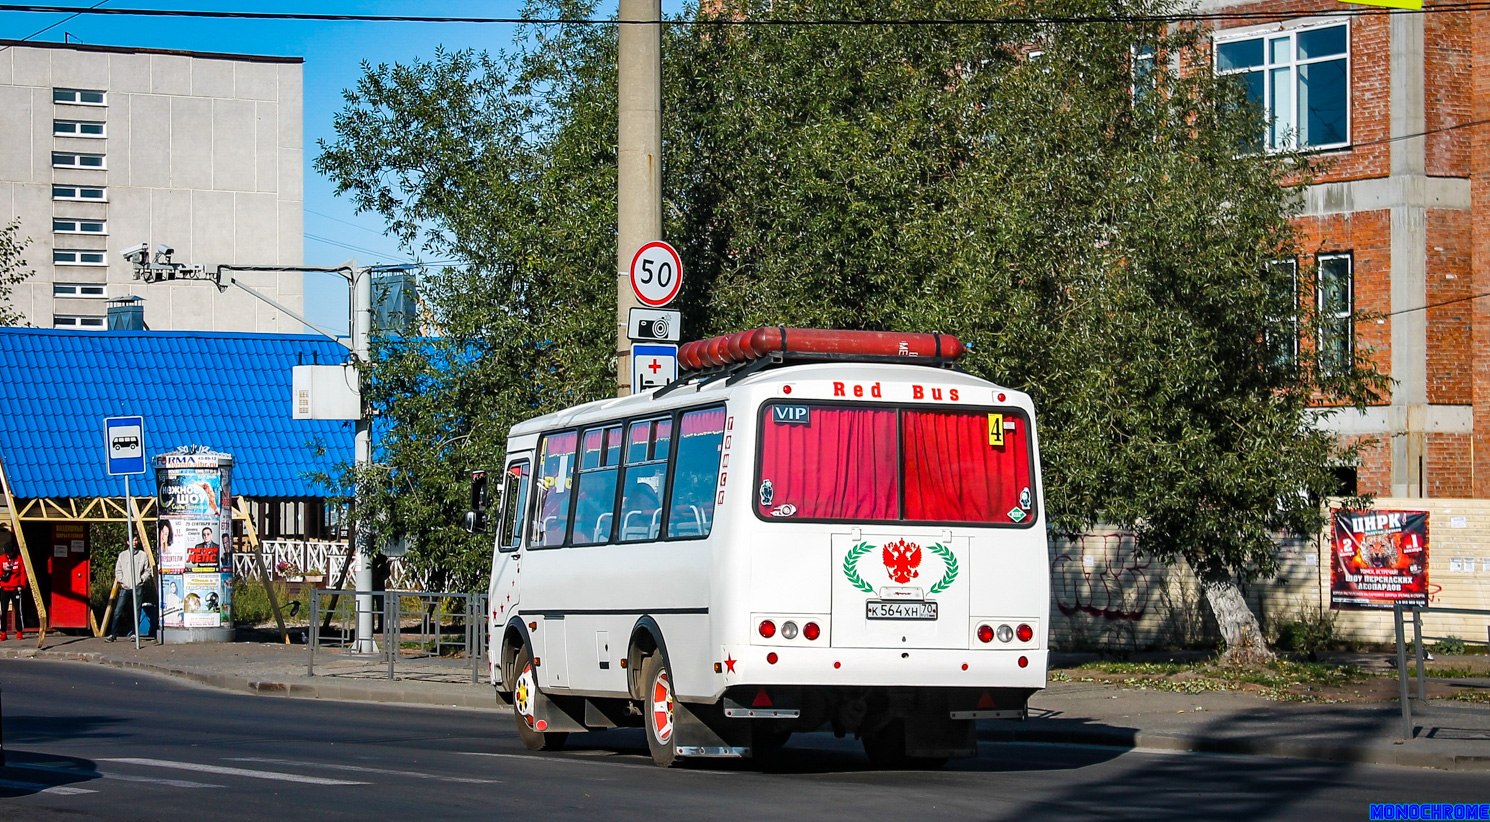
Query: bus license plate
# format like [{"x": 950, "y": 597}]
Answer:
[{"x": 882, "y": 609}]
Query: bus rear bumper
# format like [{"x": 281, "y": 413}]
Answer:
[{"x": 879, "y": 667}]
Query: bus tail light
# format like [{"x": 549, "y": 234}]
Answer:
[
  {"x": 985, "y": 633},
  {"x": 772, "y": 657},
  {"x": 1025, "y": 633},
  {"x": 788, "y": 630},
  {"x": 1024, "y": 662},
  {"x": 811, "y": 630},
  {"x": 767, "y": 628},
  {"x": 1005, "y": 633}
]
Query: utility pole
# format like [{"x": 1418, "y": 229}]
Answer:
[{"x": 638, "y": 157}]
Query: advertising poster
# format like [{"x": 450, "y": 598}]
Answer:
[
  {"x": 1380, "y": 558},
  {"x": 202, "y": 600},
  {"x": 171, "y": 601},
  {"x": 203, "y": 545},
  {"x": 171, "y": 547}
]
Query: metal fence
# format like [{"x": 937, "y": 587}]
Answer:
[
  {"x": 424, "y": 634},
  {"x": 1421, "y": 655},
  {"x": 294, "y": 559}
]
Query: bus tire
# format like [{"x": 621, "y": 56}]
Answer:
[
  {"x": 524, "y": 708},
  {"x": 657, "y": 708}
]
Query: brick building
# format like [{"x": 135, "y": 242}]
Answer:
[{"x": 1393, "y": 225}]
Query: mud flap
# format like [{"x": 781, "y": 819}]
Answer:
[
  {"x": 700, "y": 729},
  {"x": 559, "y": 714},
  {"x": 934, "y": 735}
]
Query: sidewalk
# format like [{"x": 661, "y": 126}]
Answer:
[{"x": 1449, "y": 735}]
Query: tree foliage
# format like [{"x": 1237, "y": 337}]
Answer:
[
  {"x": 13, "y": 270},
  {"x": 1107, "y": 251}
]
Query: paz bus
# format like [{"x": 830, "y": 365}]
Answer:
[{"x": 807, "y": 529}]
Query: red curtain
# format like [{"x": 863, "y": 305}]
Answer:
[
  {"x": 838, "y": 465},
  {"x": 952, "y": 474},
  {"x": 701, "y": 422}
]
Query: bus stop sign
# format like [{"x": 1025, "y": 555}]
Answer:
[{"x": 124, "y": 445}]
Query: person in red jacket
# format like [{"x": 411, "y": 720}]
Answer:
[{"x": 12, "y": 585}]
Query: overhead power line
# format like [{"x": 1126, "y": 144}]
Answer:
[
  {"x": 1472, "y": 5},
  {"x": 40, "y": 32}
]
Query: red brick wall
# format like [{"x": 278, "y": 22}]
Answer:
[
  {"x": 1368, "y": 236},
  {"x": 1449, "y": 325},
  {"x": 1446, "y": 84},
  {"x": 1374, "y": 473},
  {"x": 1449, "y": 456},
  {"x": 1479, "y": 140}
]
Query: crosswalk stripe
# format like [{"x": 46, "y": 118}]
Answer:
[
  {"x": 204, "y": 768},
  {"x": 123, "y": 777},
  {"x": 59, "y": 790},
  {"x": 362, "y": 769}
]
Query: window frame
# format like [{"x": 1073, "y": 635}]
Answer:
[
  {"x": 1006, "y": 410},
  {"x": 1327, "y": 319},
  {"x": 77, "y": 100},
  {"x": 79, "y": 324},
  {"x": 78, "y": 155},
  {"x": 77, "y": 229},
  {"x": 77, "y": 257},
  {"x": 675, "y": 416},
  {"x": 103, "y": 128},
  {"x": 77, "y": 293},
  {"x": 1267, "y": 34},
  {"x": 76, "y": 196},
  {"x": 515, "y": 509},
  {"x": 1285, "y": 325}
]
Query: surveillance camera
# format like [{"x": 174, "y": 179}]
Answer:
[
  {"x": 137, "y": 254},
  {"x": 162, "y": 248}
]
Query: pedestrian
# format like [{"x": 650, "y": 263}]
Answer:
[
  {"x": 133, "y": 573},
  {"x": 12, "y": 585}
]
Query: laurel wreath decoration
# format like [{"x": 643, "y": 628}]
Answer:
[
  {"x": 948, "y": 559},
  {"x": 851, "y": 567}
]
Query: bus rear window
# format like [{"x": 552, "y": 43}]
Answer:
[{"x": 859, "y": 464}]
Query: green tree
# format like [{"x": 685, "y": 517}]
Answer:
[
  {"x": 1104, "y": 250},
  {"x": 13, "y": 271}
]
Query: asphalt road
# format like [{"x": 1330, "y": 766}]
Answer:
[{"x": 87, "y": 742}]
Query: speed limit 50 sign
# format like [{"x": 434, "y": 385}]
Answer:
[{"x": 656, "y": 274}]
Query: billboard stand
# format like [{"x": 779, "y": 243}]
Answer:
[{"x": 195, "y": 518}]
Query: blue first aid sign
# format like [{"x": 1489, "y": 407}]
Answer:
[
  {"x": 652, "y": 366},
  {"x": 124, "y": 445}
]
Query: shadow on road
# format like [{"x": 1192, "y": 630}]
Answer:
[
  {"x": 26, "y": 773},
  {"x": 27, "y": 728}
]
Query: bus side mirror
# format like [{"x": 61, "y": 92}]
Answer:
[{"x": 476, "y": 517}]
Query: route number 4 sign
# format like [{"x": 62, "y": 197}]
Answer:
[{"x": 656, "y": 274}]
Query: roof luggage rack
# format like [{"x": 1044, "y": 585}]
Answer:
[{"x": 736, "y": 356}]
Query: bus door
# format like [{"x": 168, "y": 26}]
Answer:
[{"x": 504, "y": 591}]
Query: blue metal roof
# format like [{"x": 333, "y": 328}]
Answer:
[{"x": 229, "y": 392}]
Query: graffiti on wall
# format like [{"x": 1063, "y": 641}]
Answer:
[{"x": 1106, "y": 580}]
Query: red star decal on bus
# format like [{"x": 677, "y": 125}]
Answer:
[{"x": 729, "y": 664}]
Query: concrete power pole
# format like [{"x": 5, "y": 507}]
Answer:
[
  {"x": 639, "y": 157},
  {"x": 362, "y": 456}
]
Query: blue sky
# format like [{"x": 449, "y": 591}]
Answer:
[{"x": 333, "y": 54}]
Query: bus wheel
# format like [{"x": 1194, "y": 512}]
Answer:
[
  {"x": 657, "y": 705},
  {"x": 886, "y": 749},
  {"x": 524, "y": 704}
]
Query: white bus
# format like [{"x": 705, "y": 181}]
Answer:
[{"x": 808, "y": 529}]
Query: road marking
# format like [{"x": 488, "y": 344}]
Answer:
[
  {"x": 123, "y": 777},
  {"x": 37, "y": 787},
  {"x": 197, "y": 766},
  {"x": 361, "y": 769}
]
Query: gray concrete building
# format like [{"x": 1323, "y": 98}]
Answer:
[{"x": 103, "y": 148}]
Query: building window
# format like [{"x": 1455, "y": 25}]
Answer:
[
  {"x": 78, "y": 97},
  {"x": 1282, "y": 334},
  {"x": 66, "y": 226},
  {"x": 77, "y": 128},
  {"x": 1144, "y": 79},
  {"x": 71, "y": 159},
  {"x": 1336, "y": 313},
  {"x": 76, "y": 321},
  {"x": 84, "y": 290},
  {"x": 90, "y": 193},
  {"x": 1300, "y": 77},
  {"x": 68, "y": 256}
]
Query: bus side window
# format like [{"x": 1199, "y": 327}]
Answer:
[
  {"x": 646, "y": 473},
  {"x": 595, "y": 509},
  {"x": 555, "y": 475},
  {"x": 513, "y": 496},
  {"x": 696, "y": 475}
]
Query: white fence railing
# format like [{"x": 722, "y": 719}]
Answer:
[{"x": 310, "y": 556}]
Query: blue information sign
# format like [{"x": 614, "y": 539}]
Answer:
[{"x": 124, "y": 445}]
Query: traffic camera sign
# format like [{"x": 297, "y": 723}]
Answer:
[
  {"x": 124, "y": 445},
  {"x": 656, "y": 274}
]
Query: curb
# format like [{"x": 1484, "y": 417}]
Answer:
[
  {"x": 265, "y": 687},
  {"x": 1367, "y": 754}
]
